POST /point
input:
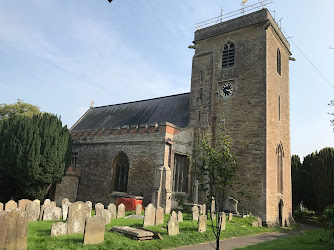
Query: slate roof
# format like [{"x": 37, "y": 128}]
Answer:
[{"x": 173, "y": 109}]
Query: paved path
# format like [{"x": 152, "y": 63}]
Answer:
[{"x": 232, "y": 243}]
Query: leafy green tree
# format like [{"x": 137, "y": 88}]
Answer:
[
  {"x": 34, "y": 152},
  {"x": 214, "y": 166},
  {"x": 297, "y": 181},
  {"x": 20, "y": 108}
]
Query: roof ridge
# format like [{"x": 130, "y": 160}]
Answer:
[{"x": 156, "y": 98}]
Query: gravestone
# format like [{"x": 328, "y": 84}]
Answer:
[
  {"x": 1, "y": 206},
  {"x": 195, "y": 213},
  {"x": 230, "y": 216},
  {"x": 43, "y": 207},
  {"x": 23, "y": 203},
  {"x": 149, "y": 216},
  {"x": 65, "y": 203},
  {"x": 16, "y": 227},
  {"x": 173, "y": 225},
  {"x": 3, "y": 229},
  {"x": 10, "y": 205},
  {"x": 49, "y": 213},
  {"x": 94, "y": 230},
  {"x": 213, "y": 208},
  {"x": 59, "y": 228},
  {"x": 159, "y": 216},
  {"x": 121, "y": 211},
  {"x": 259, "y": 220},
  {"x": 230, "y": 205},
  {"x": 203, "y": 209},
  {"x": 202, "y": 223},
  {"x": 47, "y": 202},
  {"x": 53, "y": 204},
  {"x": 33, "y": 211},
  {"x": 38, "y": 202},
  {"x": 57, "y": 213},
  {"x": 180, "y": 216},
  {"x": 77, "y": 214},
  {"x": 106, "y": 216},
  {"x": 223, "y": 221},
  {"x": 138, "y": 209},
  {"x": 112, "y": 210},
  {"x": 90, "y": 205},
  {"x": 98, "y": 208}
]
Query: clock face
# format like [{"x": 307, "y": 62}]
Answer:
[{"x": 226, "y": 89}]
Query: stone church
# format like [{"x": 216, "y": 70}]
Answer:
[{"x": 240, "y": 71}]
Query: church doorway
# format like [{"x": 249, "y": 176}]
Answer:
[
  {"x": 280, "y": 213},
  {"x": 120, "y": 173}
]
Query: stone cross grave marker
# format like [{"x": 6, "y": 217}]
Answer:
[
  {"x": 112, "y": 210},
  {"x": 149, "y": 216},
  {"x": 94, "y": 230},
  {"x": 120, "y": 211},
  {"x": 77, "y": 214},
  {"x": 159, "y": 216}
]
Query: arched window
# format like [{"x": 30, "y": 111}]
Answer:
[
  {"x": 279, "y": 62},
  {"x": 120, "y": 174},
  {"x": 280, "y": 155},
  {"x": 228, "y": 55}
]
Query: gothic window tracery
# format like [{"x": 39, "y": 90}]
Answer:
[
  {"x": 121, "y": 172},
  {"x": 228, "y": 55}
]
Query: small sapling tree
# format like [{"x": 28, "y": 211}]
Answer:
[{"x": 214, "y": 166}]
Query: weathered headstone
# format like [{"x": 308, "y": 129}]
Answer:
[
  {"x": 203, "y": 211},
  {"x": 38, "y": 202},
  {"x": 3, "y": 229},
  {"x": 59, "y": 228},
  {"x": 106, "y": 216},
  {"x": 173, "y": 225},
  {"x": 259, "y": 220},
  {"x": 1, "y": 206},
  {"x": 112, "y": 210},
  {"x": 223, "y": 221},
  {"x": 230, "y": 216},
  {"x": 10, "y": 205},
  {"x": 231, "y": 205},
  {"x": 149, "y": 216},
  {"x": 48, "y": 213},
  {"x": 77, "y": 214},
  {"x": 98, "y": 208},
  {"x": 47, "y": 202},
  {"x": 213, "y": 208},
  {"x": 120, "y": 211},
  {"x": 53, "y": 204},
  {"x": 43, "y": 207},
  {"x": 94, "y": 230},
  {"x": 179, "y": 216},
  {"x": 23, "y": 203},
  {"x": 33, "y": 211},
  {"x": 138, "y": 209},
  {"x": 57, "y": 213},
  {"x": 202, "y": 223},
  {"x": 195, "y": 212},
  {"x": 65, "y": 203},
  {"x": 90, "y": 205},
  {"x": 16, "y": 226},
  {"x": 159, "y": 216}
]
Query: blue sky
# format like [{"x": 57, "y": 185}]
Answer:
[{"x": 62, "y": 54}]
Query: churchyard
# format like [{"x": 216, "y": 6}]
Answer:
[{"x": 82, "y": 225}]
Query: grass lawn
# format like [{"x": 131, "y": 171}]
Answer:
[
  {"x": 39, "y": 235},
  {"x": 315, "y": 239}
]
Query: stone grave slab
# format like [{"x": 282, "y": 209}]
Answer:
[{"x": 134, "y": 233}]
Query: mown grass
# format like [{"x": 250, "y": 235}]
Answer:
[
  {"x": 315, "y": 239},
  {"x": 39, "y": 235}
]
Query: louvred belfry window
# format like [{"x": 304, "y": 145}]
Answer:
[{"x": 228, "y": 55}]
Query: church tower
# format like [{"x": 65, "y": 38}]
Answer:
[{"x": 240, "y": 79}]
